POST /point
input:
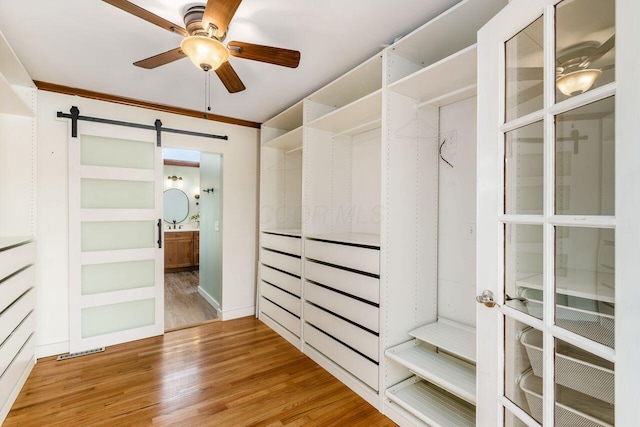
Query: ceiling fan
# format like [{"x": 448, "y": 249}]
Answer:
[
  {"x": 575, "y": 73},
  {"x": 206, "y": 29}
]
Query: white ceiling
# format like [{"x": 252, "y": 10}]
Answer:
[{"x": 91, "y": 45}]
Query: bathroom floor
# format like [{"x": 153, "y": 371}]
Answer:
[{"x": 183, "y": 305}]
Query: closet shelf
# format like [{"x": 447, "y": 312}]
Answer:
[
  {"x": 592, "y": 285},
  {"x": 355, "y": 84},
  {"x": 10, "y": 101},
  {"x": 288, "y": 141},
  {"x": 284, "y": 232},
  {"x": 7, "y": 242},
  {"x": 351, "y": 238},
  {"x": 361, "y": 111},
  {"x": 432, "y": 405},
  {"x": 452, "y": 337},
  {"x": 441, "y": 370},
  {"x": 289, "y": 119},
  {"x": 452, "y": 73}
]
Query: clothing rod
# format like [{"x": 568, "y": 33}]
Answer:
[
  {"x": 358, "y": 127},
  {"x": 293, "y": 149},
  {"x": 451, "y": 95}
]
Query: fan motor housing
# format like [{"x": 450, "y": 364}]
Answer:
[{"x": 193, "y": 22}]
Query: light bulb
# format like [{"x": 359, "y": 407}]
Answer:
[
  {"x": 205, "y": 52},
  {"x": 577, "y": 82}
]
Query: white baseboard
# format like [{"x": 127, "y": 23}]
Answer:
[
  {"x": 238, "y": 312},
  {"x": 211, "y": 301},
  {"x": 52, "y": 349}
]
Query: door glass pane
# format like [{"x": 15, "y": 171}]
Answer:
[
  {"x": 584, "y": 282},
  {"x": 116, "y": 194},
  {"x": 114, "y": 152},
  {"x": 524, "y": 169},
  {"x": 524, "y": 62},
  {"x": 119, "y": 317},
  {"x": 585, "y": 46},
  {"x": 523, "y": 367},
  {"x": 117, "y": 276},
  {"x": 114, "y": 235},
  {"x": 585, "y": 160},
  {"x": 523, "y": 268},
  {"x": 584, "y": 387},
  {"x": 511, "y": 420}
]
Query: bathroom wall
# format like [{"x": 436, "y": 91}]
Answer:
[{"x": 190, "y": 185}]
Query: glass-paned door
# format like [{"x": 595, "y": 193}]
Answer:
[
  {"x": 115, "y": 255},
  {"x": 547, "y": 215}
]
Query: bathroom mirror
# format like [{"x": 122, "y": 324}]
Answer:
[{"x": 176, "y": 205}]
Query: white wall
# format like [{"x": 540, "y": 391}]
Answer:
[{"x": 240, "y": 205}]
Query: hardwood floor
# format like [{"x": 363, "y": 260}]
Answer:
[
  {"x": 183, "y": 305},
  {"x": 233, "y": 373}
]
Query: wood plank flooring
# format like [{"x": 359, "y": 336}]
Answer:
[
  {"x": 233, "y": 373},
  {"x": 183, "y": 305}
]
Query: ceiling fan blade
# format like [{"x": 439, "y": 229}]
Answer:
[
  {"x": 268, "y": 54},
  {"x": 147, "y": 16},
  {"x": 229, "y": 78},
  {"x": 600, "y": 52},
  {"x": 219, "y": 13},
  {"x": 161, "y": 59}
]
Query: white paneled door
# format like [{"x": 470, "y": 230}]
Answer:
[
  {"x": 555, "y": 144},
  {"x": 116, "y": 260}
]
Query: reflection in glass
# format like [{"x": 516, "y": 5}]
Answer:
[
  {"x": 523, "y": 368},
  {"x": 523, "y": 268},
  {"x": 584, "y": 386},
  {"x": 524, "y": 62},
  {"x": 585, "y": 47},
  {"x": 524, "y": 168},
  {"x": 585, "y": 160},
  {"x": 584, "y": 282},
  {"x": 511, "y": 420}
]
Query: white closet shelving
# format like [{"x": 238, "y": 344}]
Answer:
[
  {"x": 370, "y": 251},
  {"x": 17, "y": 226}
]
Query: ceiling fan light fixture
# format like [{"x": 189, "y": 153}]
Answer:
[
  {"x": 205, "y": 53},
  {"x": 577, "y": 82}
]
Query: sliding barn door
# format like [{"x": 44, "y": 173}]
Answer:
[{"x": 116, "y": 281}]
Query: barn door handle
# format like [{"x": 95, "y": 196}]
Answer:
[{"x": 159, "y": 233}]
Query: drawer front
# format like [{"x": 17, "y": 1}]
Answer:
[
  {"x": 361, "y": 340},
  {"x": 357, "y": 311},
  {"x": 361, "y": 367},
  {"x": 281, "y": 298},
  {"x": 15, "y": 314},
  {"x": 15, "y": 286},
  {"x": 355, "y": 257},
  {"x": 365, "y": 287},
  {"x": 23, "y": 361},
  {"x": 287, "y": 320},
  {"x": 290, "y": 245},
  {"x": 12, "y": 260},
  {"x": 178, "y": 236},
  {"x": 287, "y": 263},
  {"x": 13, "y": 344},
  {"x": 284, "y": 281}
]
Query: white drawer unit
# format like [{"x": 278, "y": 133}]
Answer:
[
  {"x": 357, "y": 365},
  {"x": 281, "y": 243},
  {"x": 361, "y": 313},
  {"x": 280, "y": 261},
  {"x": 282, "y": 280},
  {"x": 359, "y": 285},
  {"x": 17, "y": 317},
  {"x": 280, "y": 316},
  {"x": 285, "y": 300},
  {"x": 360, "y": 258}
]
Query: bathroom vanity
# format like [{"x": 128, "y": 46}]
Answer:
[{"x": 181, "y": 250}]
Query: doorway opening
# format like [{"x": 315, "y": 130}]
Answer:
[{"x": 192, "y": 237}]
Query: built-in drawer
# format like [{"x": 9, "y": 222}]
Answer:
[
  {"x": 277, "y": 242},
  {"x": 283, "y": 299},
  {"x": 357, "y": 311},
  {"x": 359, "y": 285},
  {"x": 283, "y": 317},
  {"x": 357, "y": 338},
  {"x": 354, "y": 257},
  {"x": 359, "y": 366},
  {"x": 282, "y": 280},
  {"x": 12, "y": 260},
  {"x": 288, "y": 263},
  {"x": 14, "y": 342},
  {"x": 16, "y": 285},
  {"x": 11, "y": 317},
  {"x": 23, "y": 361}
]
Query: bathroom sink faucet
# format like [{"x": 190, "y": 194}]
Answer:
[{"x": 174, "y": 224}]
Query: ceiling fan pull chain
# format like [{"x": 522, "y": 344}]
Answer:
[{"x": 209, "y": 91}]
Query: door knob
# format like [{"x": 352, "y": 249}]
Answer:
[{"x": 487, "y": 298}]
